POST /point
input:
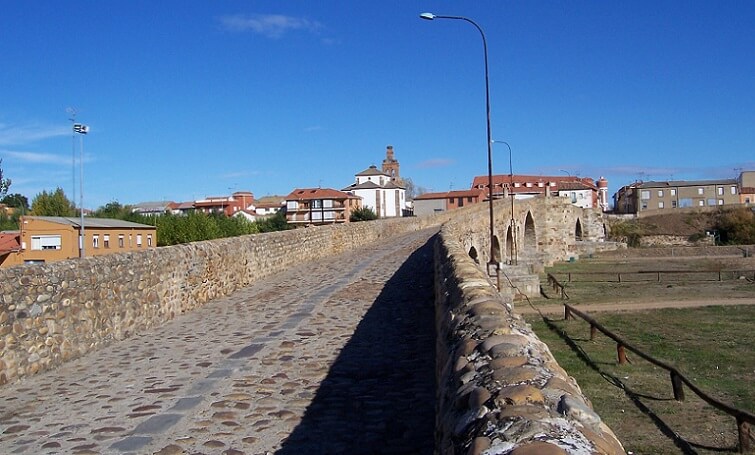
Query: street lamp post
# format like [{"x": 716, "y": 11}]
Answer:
[
  {"x": 492, "y": 263},
  {"x": 81, "y": 130},
  {"x": 514, "y": 256}
]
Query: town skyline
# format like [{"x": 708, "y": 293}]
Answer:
[{"x": 209, "y": 100}]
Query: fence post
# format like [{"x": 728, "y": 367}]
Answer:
[
  {"x": 677, "y": 386},
  {"x": 593, "y": 331},
  {"x": 622, "y": 354},
  {"x": 567, "y": 313},
  {"x": 744, "y": 435},
  {"x": 659, "y": 277}
]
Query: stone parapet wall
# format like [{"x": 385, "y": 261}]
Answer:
[
  {"x": 51, "y": 313},
  {"x": 500, "y": 391}
]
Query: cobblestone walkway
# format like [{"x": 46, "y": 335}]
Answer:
[{"x": 336, "y": 356}]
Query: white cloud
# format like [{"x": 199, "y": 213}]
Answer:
[
  {"x": 37, "y": 158},
  {"x": 20, "y": 135},
  {"x": 268, "y": 25}
]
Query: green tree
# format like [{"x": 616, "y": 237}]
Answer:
[
  {"x": 4, "y": 183},
  {"x": 362, "y": 214},
  {"x": 52, "y": 204},
  {"x": 9, "y": 222},
  {"x": 274, "y": 223},
  {"x": 736, "y": 227},
  {"x": 113, "y": 209},
  {"x": 17, "y": 201}
]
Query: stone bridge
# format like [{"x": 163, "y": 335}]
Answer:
[{"x": 379, "y": 337}]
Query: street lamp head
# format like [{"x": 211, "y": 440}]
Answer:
[{"x": 427, "y": 16}]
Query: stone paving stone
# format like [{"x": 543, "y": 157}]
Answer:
[{"x": 335, "y": 356}]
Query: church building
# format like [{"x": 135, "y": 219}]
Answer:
[{"x": 381, "y": 190}]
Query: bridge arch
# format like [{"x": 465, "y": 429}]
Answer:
[
  {"x": 473, "y": 254},
  {"x": 529, "y": 239},
  {"x": 496, "y": 250}
]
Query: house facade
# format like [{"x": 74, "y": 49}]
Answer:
[
  {"x": 154, "y": 208},
  {"x": 658, "y": 196},
  {"x": 53, "y": 238},
  {"x": 227, "y": 205},
  {"x": 583, "y": 190},
  {"x": 318, "y": 206},
  {"x": 747, "y": 187},
  {"x": 429, "y": 203},
  {"x": 379, "y": 192}
]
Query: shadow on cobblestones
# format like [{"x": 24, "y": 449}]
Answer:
[{"x": 379, "y": 395}]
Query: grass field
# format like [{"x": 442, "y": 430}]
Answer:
[{"x": 713, "y": 346}]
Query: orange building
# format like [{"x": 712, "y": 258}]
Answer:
[{"x": 54, "y": 238}]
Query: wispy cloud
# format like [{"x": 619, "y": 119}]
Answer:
[
  {"x": 310, "y": 129},
  {"x": 37, "y": 158},
  {"x": 20, "y": 135},
  {"x": 435, "y": 163},
  {"x": 268, "y": 25}
]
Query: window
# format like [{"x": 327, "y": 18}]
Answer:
[
  {"x": 149, "y": 240},
  {"x": 685, "y": 202},
  {"x": 106, "y": 240},
  {"x": 292, "y": 205},
  {"x": 644, "y": 205},
  {"x": 660, "y": 204},
  {"x": 138, "y": 240},
  {"x": 317, "y": 203},
  {"x": 720, "y": 202},
  {"x": 660, "y": 193},
  {"x": 733, "y": 190},
  {"x": 573, "y": 196},
  {"x": 539, "y": 184},
  {"x": 96, "y": 241},
  {"x": 529, "y": 184},
  {"x": 45, "y": 242},
  {"x": 470, "y": 199},
  {"x": 461, "y": 202},
  {"x": 673, "y": 191},
  {"x": 645, "y": 195},
  {"x": 711, "y": 202},
  {"x": 701, "y": 191},
  {"x": 120, "y": 241},
  {"x": 701, "y": 203},
  {"x": 673, "y": 204},
  {"x": 720, "y": 190}
]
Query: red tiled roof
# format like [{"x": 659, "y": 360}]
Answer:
[
  {"x": 306, "y": 194},
  {"x": 9, "y": 241},
  {"x": 534, "y": 179}
]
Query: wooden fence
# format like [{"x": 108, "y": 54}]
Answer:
[
  {"x": 656, "y": 275},
  {"x": 744, "y": 418}
]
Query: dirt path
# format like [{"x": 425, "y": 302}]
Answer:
[{"x": 556, "y": 308}]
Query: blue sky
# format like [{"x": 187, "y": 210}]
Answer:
[{"x": 200, "y": 98}]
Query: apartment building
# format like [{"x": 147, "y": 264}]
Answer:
[
  {"x": 583, "y": 191},
  {"x": 54, "y": 238},
  {"x": 428, "y": 203},
  {"x": 316, "y": 206},
  {"x": 657, "y": 196}
]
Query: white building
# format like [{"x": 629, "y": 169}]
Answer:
[{"x": 379, "y": 192}]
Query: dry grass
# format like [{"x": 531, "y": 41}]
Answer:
[{"x": 710, "y": 345}]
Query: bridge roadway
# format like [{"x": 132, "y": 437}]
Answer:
[{"x": 335, "y": 356}]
